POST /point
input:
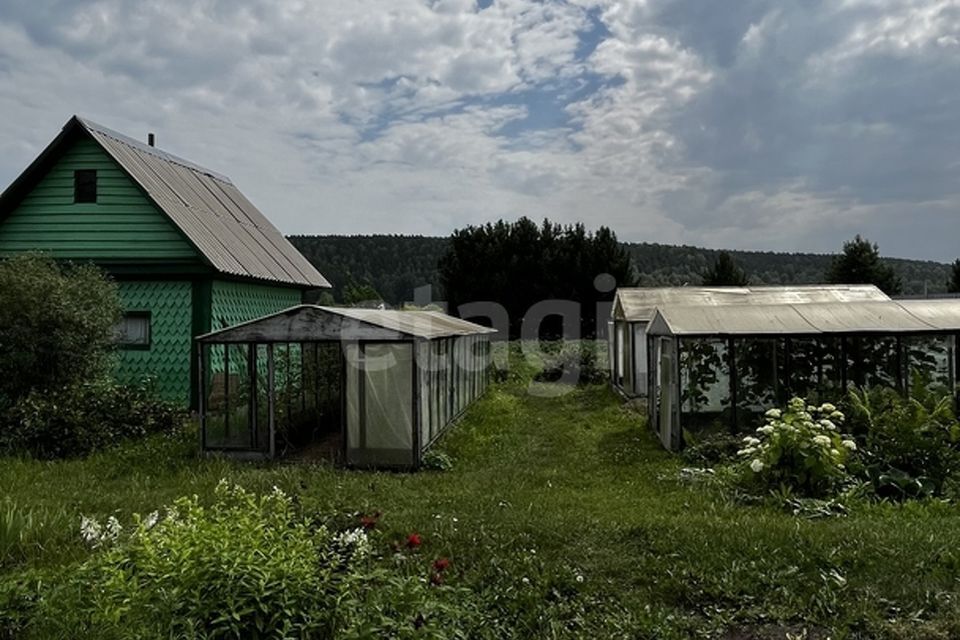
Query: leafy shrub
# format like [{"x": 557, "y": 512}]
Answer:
[
  {"x": 84, "y": 417},
  {"x": 911, "y": 446},
  {"x": 247, "y": 566},
  {"x": 578, "y": 362},
  {"x": 434, "y": 460},
  {"x": 56, "y": 325},
  {"x": 19, "y": 596},
  {"x": 800, "y": 449},
  {"x": 712, "y": 449}
]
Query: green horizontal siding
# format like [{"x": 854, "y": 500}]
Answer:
[
  {"x": 122, "y": 224},
  {"x": 167, "y": 362}
]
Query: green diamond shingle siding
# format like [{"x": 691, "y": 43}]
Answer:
[
  {"x": 235, "y": 302},
  {"x": 122, "y": 225},
  {"x": 168, "y": 359}
]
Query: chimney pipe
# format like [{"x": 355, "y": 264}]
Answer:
[{"x": 150, "y": 139}]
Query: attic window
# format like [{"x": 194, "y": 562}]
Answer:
[{"x": 85, "y": 185}]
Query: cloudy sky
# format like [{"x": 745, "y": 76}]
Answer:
[{"x": 781, "y": 125}]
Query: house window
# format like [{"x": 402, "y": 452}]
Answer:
[
  {"x": 85, "y": 185},
  {"x": 133, "y": 330}
]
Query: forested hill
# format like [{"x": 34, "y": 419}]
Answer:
[{"x": 394, "y": 265}]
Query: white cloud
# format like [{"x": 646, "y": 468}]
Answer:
[{"x": 761, "y": 125}]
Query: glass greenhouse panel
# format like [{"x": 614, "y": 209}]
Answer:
[
  {"x": 423, "y": 406},
  {"x": 873, "y": 361},
  {"x": 930, "y": 362},
  {"x": 704, "y": 384},
  {"x": 815, "y": 369},
  {"x": 759, "y": 368}
]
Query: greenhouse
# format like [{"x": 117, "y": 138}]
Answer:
[
  {"x": 719, "y": 368},
  {"x": 366, "y": 387},
  {"x": 634, "y": 308}
]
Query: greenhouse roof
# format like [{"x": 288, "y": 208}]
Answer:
[
  {"x": 310, "y": 323},
  {"x": 638, "y": 304},
  {"x": 884, "y": 317}
]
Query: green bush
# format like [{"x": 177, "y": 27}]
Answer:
[
  {"x": 56, "y": 325},
  {"x": 247, "y": 566},
  {"x": 911, "y": 446},
  {"x": 799, "y": 449},
  {"x": 84, "y": 417},
  {"x": 712, "y": 449},
  {"x": 578, "y": 362}
]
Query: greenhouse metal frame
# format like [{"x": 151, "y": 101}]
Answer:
[
  {"x": 384, "y": 384},
  {"x": 635, "y": 307},
  {"x": 720, "y": 368}
]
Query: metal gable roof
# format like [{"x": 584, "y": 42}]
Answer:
[
  {"x": 856, "y": 317},
  {"x": 209, "y": 209},
  {"x": 306, "y": 323},
  {"x": 224, "y": 227},
  {"x": 639, "y": 304}
]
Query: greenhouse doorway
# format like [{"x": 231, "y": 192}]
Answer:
[{"x": 303, "y": 416}]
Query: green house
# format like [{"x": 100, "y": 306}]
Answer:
[{"x": 189, "y": 252}]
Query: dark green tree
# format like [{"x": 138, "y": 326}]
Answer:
[
  {"x": 724, "y": 272},
  {"x": 355, "y": 293},
  {"x": 860, "y": 263},
  {"x": 953, "y": 284},
  {"x": 519, "y": 264}
]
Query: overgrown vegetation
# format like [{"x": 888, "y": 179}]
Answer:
[
  {"x": 57, "y": 398},
  {"x": 56, "y": 325},
  {"x": 560, "y": 517}
]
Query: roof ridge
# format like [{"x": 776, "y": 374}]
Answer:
[{"x": 90, "y": 125}]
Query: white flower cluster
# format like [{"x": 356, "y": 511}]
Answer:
[
  {"x": 96, "y": 535},
  {"x": 799, "y": 418},
  {"x": 355, "y": 542}
]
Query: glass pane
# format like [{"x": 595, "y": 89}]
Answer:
[
  {"x": 704, "y": 385},
  {"x": 930, "y": 363},
  {"x": 758, "y": 364},
  {"x": 815, "y": 369},
  {"x": 872, "y": 362},
  {"x": 386, "y": 432},
  {"x": 230, "y": 419},
  {"x": 352, "y": 383}
]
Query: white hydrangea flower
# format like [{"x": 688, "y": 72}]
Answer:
[
  {"x": 826, "y": 407},
  {"x": 756, "y": 465},
  {"x": 822, "y": 440},
  {"x": 746, "y": 451},
  {"x": 151, "y": 520},
  {"x": 766, "y": 429},
  {"x": 750, "y": 440},
  {"x": 834, "y": 452},
  {"x": 849, "y": 444},
  {"x": 837, "y": 415},
  {"x": 776, "y": 414},
  {"x": 827, "y": 424},
  {"x": 356, "y": 541}
]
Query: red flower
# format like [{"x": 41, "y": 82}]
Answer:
[
  {"x": 369, "y": 522},
  {"x": 414, "y": 541},
  {"x": 440, "y": 564}
]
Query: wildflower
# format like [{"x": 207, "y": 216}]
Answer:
[
  {"x": 369, "y": 522},
  {"x": 414, "y": 541},
  {"x": 355, "y": 541},
  {"x": 775, "y": 414},
  {"x": 756, "y": 465},
  {"x": 90, "y": 530},
  {"x": 441, "y": 564},
  {"x": 849, "y": 444},
  {"x": 822, "y": 440},
  {"x": 112, "y": 530}
]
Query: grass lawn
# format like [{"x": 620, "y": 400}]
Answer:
[{"x": 570, "y": 510}]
